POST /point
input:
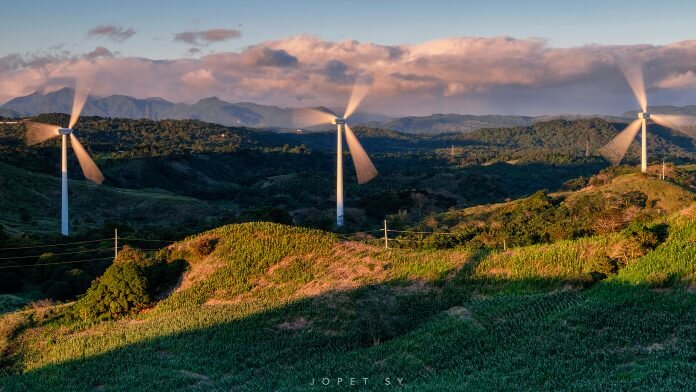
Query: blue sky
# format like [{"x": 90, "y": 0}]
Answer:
[
  {"x": 31, "y": 25},
  {"x": 422, "y": 56}
]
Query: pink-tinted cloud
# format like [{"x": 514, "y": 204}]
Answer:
[
  {"x": 679, "y": 80},
  {"x": 466, "y": 74},
  {"x": 207, "y": 36},
  {"x": 98, "y": 52},
  {"x": 114, "y": 33}
]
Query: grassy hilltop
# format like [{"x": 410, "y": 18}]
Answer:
[{"x": 265, "y": 306}]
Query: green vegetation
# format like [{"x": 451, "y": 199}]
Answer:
[
  {"x": 539, "y": 317},
  {"x": 553, "y": 273},
  {"x": 615, "y": 199},
  {"x": 31, "y": 204}
]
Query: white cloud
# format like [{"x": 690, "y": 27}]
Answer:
[{"x": 465, "y": 74}]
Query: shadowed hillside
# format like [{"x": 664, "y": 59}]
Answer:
[
  {"x": 531, "y": 318},
  {"x": 30, "y": 203}
]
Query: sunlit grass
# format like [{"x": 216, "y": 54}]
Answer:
[{"x": 273, "y": 306}]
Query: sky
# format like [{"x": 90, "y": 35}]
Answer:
[{"x": 492, "y": 57}]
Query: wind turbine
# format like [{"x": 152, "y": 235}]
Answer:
[
  {"x": 39, "y": 132},
  {"x": 364, "y": 168},
  {"x": 615, "y": 150}
]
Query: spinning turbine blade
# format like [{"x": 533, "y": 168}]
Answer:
[
  {"x": 89, "y": 168},
  {"x": 82, "y": 89},
  {"x": 683, "y": 124},
  {"x": 357, "y": 95},
  {"x": 634, "y": 75},
  {"x": 363, "y": 165},
  {"x": 311, "y": 117},
  {"x": 615, "y": 150},
  {"x": 39, "y": 132}
]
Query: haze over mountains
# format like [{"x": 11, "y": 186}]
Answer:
[{"x": 249, "y": 114}]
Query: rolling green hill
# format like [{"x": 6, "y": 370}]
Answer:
[
  {"x": 272, "y": 307},
  {"x": 608, "y": 202},
  {"x": 30, "y": 204}
]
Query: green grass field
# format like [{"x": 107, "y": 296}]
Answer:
[{"x": 276, "y": 307}]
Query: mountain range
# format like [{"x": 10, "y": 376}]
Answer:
[
  {"x": 254, "y": 115},
  {"x": 211, "y": 109}
]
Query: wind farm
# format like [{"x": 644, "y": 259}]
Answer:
[{"x": 179, "y": 211}]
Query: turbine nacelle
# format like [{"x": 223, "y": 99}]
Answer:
[
  {"x": 64, "y": 131},
  {"x": 338, "y": 120},
  {"x": 643, "y": 115}
]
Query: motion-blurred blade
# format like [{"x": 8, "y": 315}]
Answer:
[
  {"x": 615, "y": 150},
  {"x": 363, "y": 165},
  {"x": 357, "y": 95},
  {"x": 683, "y": 124},
  {"x": 312, "y": 117},
  {"x": 39, "y": 132},
  {"x": 82, "y": 89},
  {"x": 89, "y": 168},
  {"x": 634, "y": 75}
]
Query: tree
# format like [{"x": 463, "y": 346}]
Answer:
[{"x": 122, "y": 290}]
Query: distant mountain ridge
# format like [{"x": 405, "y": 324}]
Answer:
[
  {"x": 255, "y": 115},
  {"x": 211, "y": 109}
]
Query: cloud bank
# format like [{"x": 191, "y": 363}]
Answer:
[{"x": 462, "y": 74}]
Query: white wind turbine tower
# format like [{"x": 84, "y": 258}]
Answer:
[
  {"x": 615, "y": 150},
  {"x": 364, "y": 168},
  {"x": 38, "y": 132}
]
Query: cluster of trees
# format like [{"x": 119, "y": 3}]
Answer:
[{"x": 130, "y": 284}]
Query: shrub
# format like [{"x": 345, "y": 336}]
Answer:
[
  {"x": 659, "y": 279},
  {"x": 380, "y": 317},
  {"x": 602, "y": 264},
  {"x": 122, "y": 290},
  {"x": 44, "y": 272},
  {"x": 626, "y": 251},
  {"x": 129, "y": 285},
  {"x": 205, "y": 245},
  {"x": 575, "y": 184},
  {"x": 78, "y": 279},
  {"x": 644, "y": 235},
  {"x": 635, "y": 198},
  {"x": 128, "y": 255}
]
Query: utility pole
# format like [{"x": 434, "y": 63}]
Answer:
[
  {"x": 386, "y": 237},
  {"x": 663, "y": 170},
  {"x": 115, "y": 243}
]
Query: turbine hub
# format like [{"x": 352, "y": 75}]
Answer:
[
  {"x": 339, "y": 120},
  {"x": 644, "y": 115},
  {"x": 64, "y": 131}
]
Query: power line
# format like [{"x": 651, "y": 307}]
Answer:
[
  {"x": 56, "y": 254},
  {"x": 363, "y": 232},
  {"x": 148, "y": 240},
  {"x": 49, "y": 246},
  {"x": 422, "y": 232},
  {"x": 69, "y": 262},
  {"x": 58, "y": 263}
]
